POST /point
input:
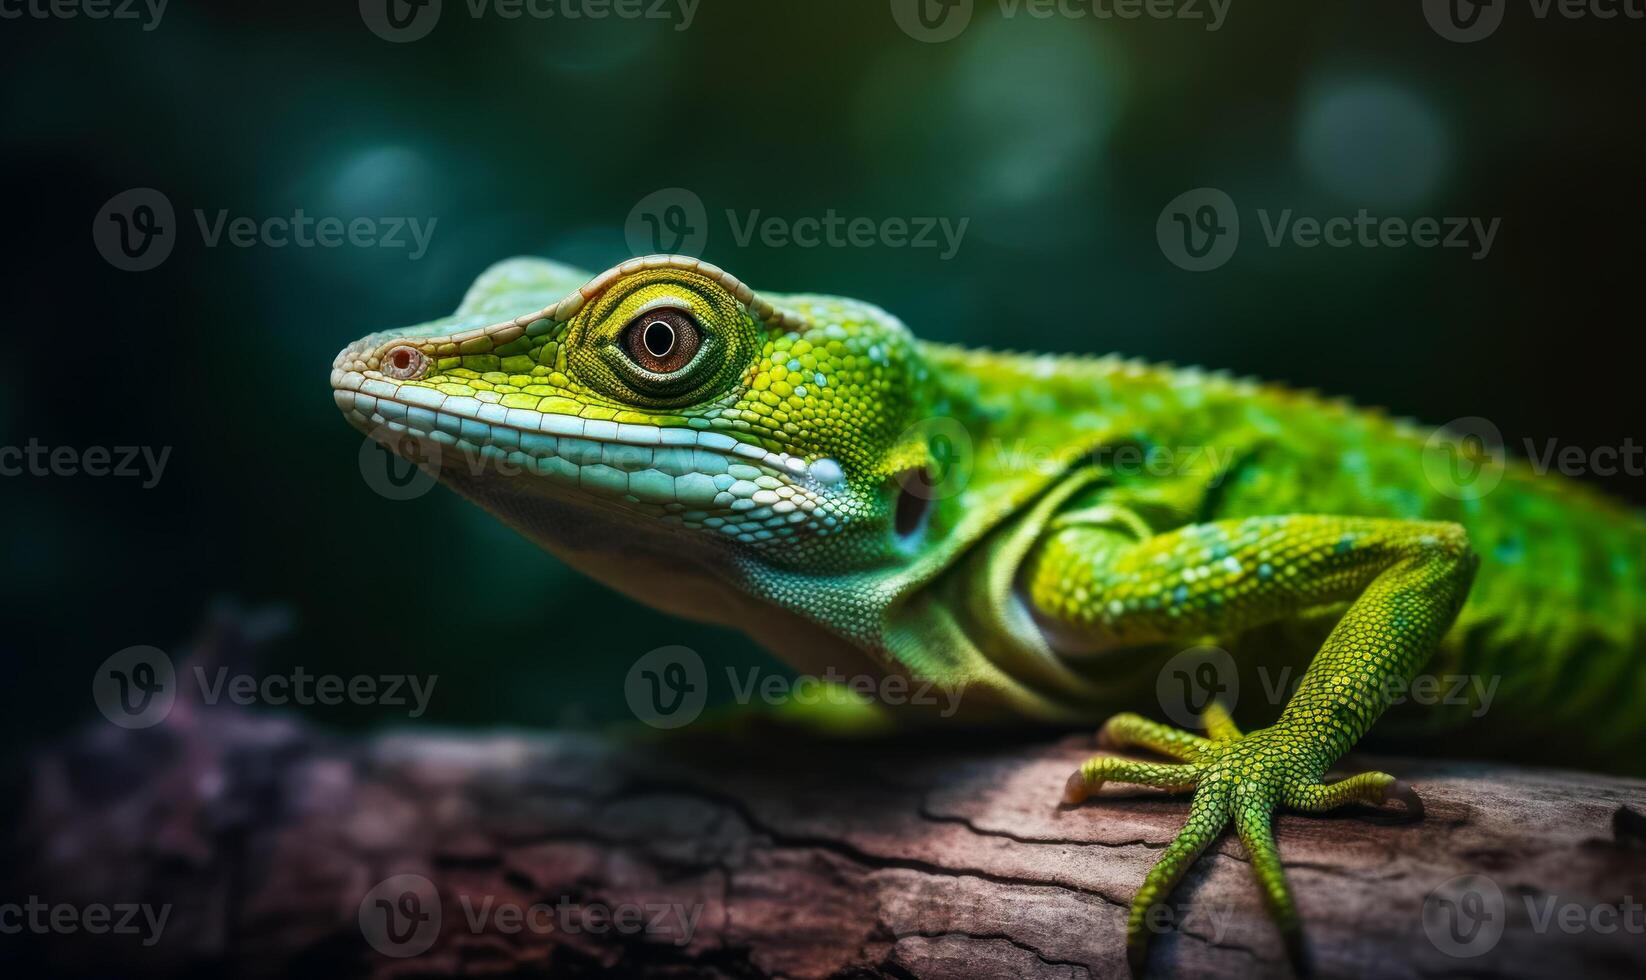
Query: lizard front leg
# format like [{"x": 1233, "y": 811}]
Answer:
[{"x": 1404, "y": 582}]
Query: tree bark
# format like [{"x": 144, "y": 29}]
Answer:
[{"x": 768, "y": 854}]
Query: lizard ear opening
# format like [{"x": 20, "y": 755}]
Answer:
[{"x": 912, "y": 509}]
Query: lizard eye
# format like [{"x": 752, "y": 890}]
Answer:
[
  {"x": 662, "y": 341},
  {"x": 404, "y": 363}
]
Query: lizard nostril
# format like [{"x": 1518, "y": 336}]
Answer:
[{"x": 403, "y": 363}]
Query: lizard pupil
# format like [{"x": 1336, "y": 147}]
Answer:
[
  {"x": 659, "y": 338},
  {"x": 663, "y": 341},
  {"x": 404, "y": 363}
]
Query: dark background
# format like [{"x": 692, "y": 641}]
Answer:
[{"x": 1060, "y": 140}]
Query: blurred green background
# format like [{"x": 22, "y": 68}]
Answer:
[{"x": 1059, "y": 140}]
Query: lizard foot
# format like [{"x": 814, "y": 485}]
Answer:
[{"x": 1235, "y": 776}]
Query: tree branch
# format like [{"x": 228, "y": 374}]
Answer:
[{"x": 775, "y": 855}]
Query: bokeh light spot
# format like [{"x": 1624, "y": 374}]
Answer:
[
  {"x": 380, "y": 179},
  {"x": 1373, "y": 143}
]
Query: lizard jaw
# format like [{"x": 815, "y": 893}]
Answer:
[{"x": 681, "y": 476}]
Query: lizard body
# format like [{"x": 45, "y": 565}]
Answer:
[{"x": 1044, "y": 530}]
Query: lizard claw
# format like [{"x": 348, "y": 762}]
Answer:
[
  {"x": 1401, "y": 790},
  {"x": 1243, "y": 779}
]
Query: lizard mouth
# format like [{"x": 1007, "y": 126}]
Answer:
[{"x": 682, "y": 474}]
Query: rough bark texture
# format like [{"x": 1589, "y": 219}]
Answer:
[
  {"x": 796, "y": 858},
  {"x": 790, "y": 856}
]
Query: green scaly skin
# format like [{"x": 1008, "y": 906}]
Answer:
[{"x": 858, "y": 500}]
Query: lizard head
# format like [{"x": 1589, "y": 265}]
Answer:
[{"x": 662, "y": 415}]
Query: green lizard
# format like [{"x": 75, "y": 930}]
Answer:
[{"x": 797, "y": 466}]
